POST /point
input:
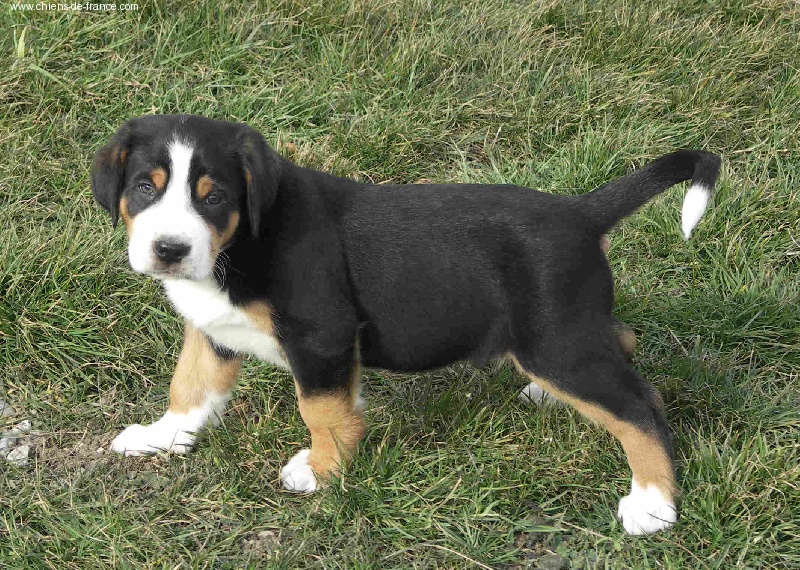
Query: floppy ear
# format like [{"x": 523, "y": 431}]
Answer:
[
  {"x": 261, "y": 167},
  {"x": 108, "y": 172}
]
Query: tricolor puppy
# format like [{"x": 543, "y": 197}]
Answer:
[{"x": 322, "y": 275}]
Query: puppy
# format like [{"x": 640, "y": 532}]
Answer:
[{"x": 321, "y": 275}]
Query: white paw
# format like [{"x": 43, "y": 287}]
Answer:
[
  {"x": 646, "y": 510},
  {"x": 146, "y": 440},
  {"x": 534, "y": 394},
  {"x": 297, "y": 475}
]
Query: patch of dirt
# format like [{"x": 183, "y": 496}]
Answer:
[
  {"x": 55, "y": 452},
  {"x": 537, "y": 546},
  {"x": 262, "y": 544}
]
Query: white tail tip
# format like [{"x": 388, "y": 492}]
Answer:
[{"x": 694, "y": 206}]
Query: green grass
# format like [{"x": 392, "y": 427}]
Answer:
[{"x": 454, "y": 472}]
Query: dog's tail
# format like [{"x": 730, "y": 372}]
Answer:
[{"x": 621, "y": 197}]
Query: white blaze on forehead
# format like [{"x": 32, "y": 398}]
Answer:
[
  {"x": 180, "y": 161},
  {"x": 177, "y": 200},
  {"x": 172, "y": 217}
]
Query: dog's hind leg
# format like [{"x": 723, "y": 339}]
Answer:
[
  {"x": 627, "y": 340},
  {"x": 593, "y": 377},
  {"x": 329, "y": 398},
  {"x": 537, "y": 394},
  {"x": 533, "y": 393}
]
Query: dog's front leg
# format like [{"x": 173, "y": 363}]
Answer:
[
  {"x": 328, "y": 394},
  {"x": 201, "y": 386}
]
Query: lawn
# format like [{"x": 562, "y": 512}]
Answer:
[{"x": 455, "y": 472}]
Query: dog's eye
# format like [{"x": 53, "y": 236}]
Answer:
[
  {"x": 213, "y": 199},
  {"x": 146, "y": 188}
]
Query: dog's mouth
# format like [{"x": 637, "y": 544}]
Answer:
[
  {"x": 176, "y": 271},
  {"x": 190, "y": 267},
  {"x": 167, "y": 273},
  {"x": 162, "y": 275}
]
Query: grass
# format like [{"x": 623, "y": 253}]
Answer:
[{"x": 454, "y": 473}]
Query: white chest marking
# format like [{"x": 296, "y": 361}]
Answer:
[{"x": 210, "y": 310}]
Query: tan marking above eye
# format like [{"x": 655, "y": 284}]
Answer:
[
  {"x": 159, "y": 178},
  {"x": 204, "y": 187}
]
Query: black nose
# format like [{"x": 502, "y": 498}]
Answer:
[{"x": 171, "y": 251}]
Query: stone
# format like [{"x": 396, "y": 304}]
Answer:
[
  {"x": 19, "y": 455},
  {"x": 7, "y": 441},
  {"x": 6, "y": 409},
  {"x": 552, "y": 562}
]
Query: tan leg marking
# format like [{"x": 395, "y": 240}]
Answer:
[
  {"x": 200, "y": 371},
  {"x": 646, "y": 456},
  {"x": 336, "y": 423}
]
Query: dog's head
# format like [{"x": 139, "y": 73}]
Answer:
[{"x": 185, "y": 187}]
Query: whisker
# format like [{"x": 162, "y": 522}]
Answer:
[{"x": 220, "y": 266}]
